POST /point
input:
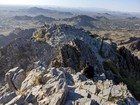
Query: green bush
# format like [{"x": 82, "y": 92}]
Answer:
[
  {"x": 108, "y": 64},
  {"x": 133, "y": 86},
  {"x": 38, "y": 80}
]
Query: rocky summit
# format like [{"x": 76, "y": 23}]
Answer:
[{"x": 45, "y": 69}]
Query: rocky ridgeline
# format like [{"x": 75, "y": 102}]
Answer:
[
  {"x": 129, "y": 63},
  {"x": 50, "y": 43},
  {"x": 60, "y": 86},
  {"x": 16, "y": 33},
  {"x": 62, "y": 51},
  {"x": 135, "y": 45}
]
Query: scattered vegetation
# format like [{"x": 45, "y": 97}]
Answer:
[
  {"x": 21, "y": 56},
  {"x": 40, "y": 36},
  {"x": 20, "y": 92},
  {"x": 108, "y": 64},
  {"x": 38, "y": 80},
  {"x": 115, "y": 99},
  {"x": 133, "y": 86},
  {"x": 94, "y": 35}
]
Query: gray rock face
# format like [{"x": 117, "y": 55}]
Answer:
[
  {"x": 17, "y": 33},
  {"x": 7, "y": 98},
  {"x": 129, "y": 62},
  {"x": 52, "y": 87},
  {"x": 30, "y": 98},
  {"x": 72, "y": 55},
  {"x": 14, "y": 77},
  {"x": 31, "y": 79},
  {"x": 69, "y": 43},
  {"x": 9, "y": 76},
  {"x": 18, "y": 78},
  {"x": 116, "y": 91},
  {"x": 17, "y": 100},
  {"x": 59, "y": 40},
  {"x": 23, "y": 52},
  {"x": 86, "y": 102}
]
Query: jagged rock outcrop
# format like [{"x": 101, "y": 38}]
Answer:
[
  {"x": 129, "y": 63},
  {"x": 49, "y": 65},
  {"x": 72, "y": 55},
  {"x": 44, "y": 46},
  {"x": 14, "y": 78},
  {"x": 23, "y": 52},
  {"x": 55, "y": 86},
  {"x": 135, "y": 45},
  {"x": 16, "y": 33}
]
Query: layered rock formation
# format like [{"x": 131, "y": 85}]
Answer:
[
  {"x": 56, "y": 86},
  {"x": 48, "y": 65},
  {"x": 16, "y": 33}
]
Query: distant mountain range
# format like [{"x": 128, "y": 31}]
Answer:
[
  {"x": 40, "y": 18},
  {"x": 82, "y": 20},
  {"x": 36, "y": 10}
]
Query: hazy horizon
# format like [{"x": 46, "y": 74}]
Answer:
[{"x": 113, "y": 5}]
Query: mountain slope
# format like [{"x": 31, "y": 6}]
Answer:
[
  {"x": 35, "y": 10},
  {"x": 82, "y": 20},
  {"x": 46, "y": 67},
  {"x": 17, "y": 33}
]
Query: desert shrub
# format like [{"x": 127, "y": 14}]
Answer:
[
  {"x": 38, "y": 80},
  {"x": 21, "y": 56},
  {"x": 125, "y": 77},
  {"x": 40, "y": 35},
  {"x": 89, "y": 32},
  {"x": 41, "y": 40},
  {"x": 133, "y": 86},
  {"x": 108, "y": 64},
  {"x": 115, "y": 99},
  {"x": 20, "y": 92},
  {"x": 94, "y": 35}
]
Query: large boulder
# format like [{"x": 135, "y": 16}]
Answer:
[
  {"x": 18, "y": 100},
  {"x": 84, "y": 101},
  {"x": 32, "y": 78},
  {"x": 9, "y": 76},
  {"x": 14, "y": 78},
  {"x": 8, "y": 97},
  {"x": 116, "y": 91},
  {"x": 18, "y": 78},
  {"x": 23, "y": 53}
]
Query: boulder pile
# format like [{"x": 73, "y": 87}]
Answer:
[{"x": 58, "y": 86}]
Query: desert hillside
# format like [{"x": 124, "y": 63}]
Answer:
[{"x": 45, "y": 69}]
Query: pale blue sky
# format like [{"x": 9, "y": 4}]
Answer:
[{"x": 117, "y": 5}]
